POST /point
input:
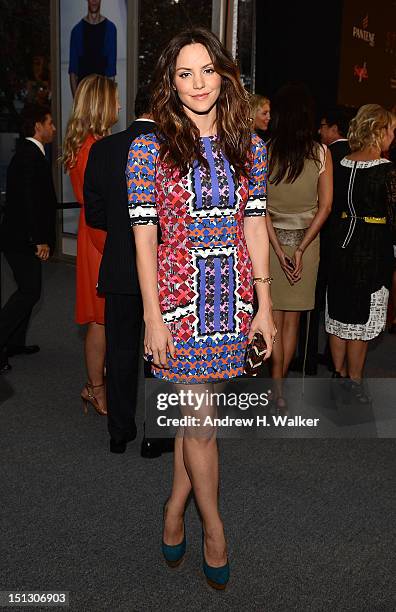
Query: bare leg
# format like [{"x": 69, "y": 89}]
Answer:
[
  {"x": 95, "y": 350},
  {"x": 201, "y": 472},
  {"x": 289, "y": 338},
  {"x": 356, "y": 357},
  {"x": 181, "y": 489},
  {"x": 202, "y": 463},
  {"x": 338, "y": 348}
]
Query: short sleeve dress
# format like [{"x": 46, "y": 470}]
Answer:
[
  {"x": 204, "y": 269},
  {"x": 292, "y": 207}
]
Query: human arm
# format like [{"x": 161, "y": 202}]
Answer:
[
  {"x": 111, "y": 50},
  {"x": 157, "y": 338},
  {"x": 285, "y": 262},
  {"x": 75, "y": 43},
  {"x": 34, "y": 180},
  {"x": 77, "y": 175},
  {"x": 140, "y": 175},
  {"x": 256, "y": 236},
  {"x": 325, "y": 200},
  {"x": 73, "y": 79}
]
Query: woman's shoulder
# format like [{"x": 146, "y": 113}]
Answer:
[
  {"x": 257, "y": 142},
  {"x": 315, "y": 161},
  {"x": 85, "y": 148},
  {"x": 89, "y": 141},
  {"x": 258, "y": 147},
  {"x": 146, "y": 143},
  {"x": 319, "y": 146}
]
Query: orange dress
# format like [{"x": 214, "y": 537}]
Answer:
[{"x": 90, "y": 244}]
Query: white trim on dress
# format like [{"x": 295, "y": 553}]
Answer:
[
  {"x": 349, "y": 163},
  {"x": 362, "y": 331}
]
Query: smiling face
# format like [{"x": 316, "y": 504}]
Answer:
[
  {"x": 196, "y": 82},
  {"x": 263, "y": 117}
]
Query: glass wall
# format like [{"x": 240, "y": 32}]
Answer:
[
  {"x": 159, "y": 21},
  {"x": 246, "y": 42},
  {"x": 24, "y": 67}
]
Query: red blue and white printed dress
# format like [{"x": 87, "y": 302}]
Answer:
[{"x": 204, "y": 269}]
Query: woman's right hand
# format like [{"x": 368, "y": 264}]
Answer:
[
  {"x": 158, "y": 342},
  {"x": 286, "y": 263}
]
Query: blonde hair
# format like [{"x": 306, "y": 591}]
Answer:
[
  {"x": 255, "y": 102},
  {"x": 94, "y": 112},
  {"x": 368, "y": 127}
]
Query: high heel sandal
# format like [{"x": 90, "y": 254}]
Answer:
[
  {"x": 89, "y": 398},
  {"x": 173, "y": 554},
  {"x": 216, "y": 577}
]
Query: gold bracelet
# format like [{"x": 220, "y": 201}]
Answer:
[{"x": 259, "y": 279}]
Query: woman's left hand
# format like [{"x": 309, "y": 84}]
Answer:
[
  {"x": 264, "y": 324},
  {"x": 298, "y": 265}
]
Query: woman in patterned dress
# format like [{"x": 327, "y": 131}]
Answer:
[
  {"x": 203, "y": 179},
  {"x": 360, "y": 239}
]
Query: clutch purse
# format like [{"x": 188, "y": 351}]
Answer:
[{"x": 255, "y": 354}]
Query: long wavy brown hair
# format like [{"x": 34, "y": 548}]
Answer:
[
  {"x": 95, "y": 110},
  {"x": 292, "y": 133},
  {"x": 178, "y": 133}
]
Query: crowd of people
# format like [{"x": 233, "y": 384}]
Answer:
[{"x": 216, "y": 216}]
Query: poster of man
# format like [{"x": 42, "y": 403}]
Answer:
[
  {"x": 93, "y": 40},
  {"x": 93, "y": 46}
]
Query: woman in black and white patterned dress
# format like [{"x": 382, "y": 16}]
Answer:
[{"x": 360, "y": 243}]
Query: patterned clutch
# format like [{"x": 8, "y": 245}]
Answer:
[{"x": 255, "y": 354}]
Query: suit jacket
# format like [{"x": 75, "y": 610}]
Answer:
[
  {"x": 339, "y": 149},
  {"x": 30, "y": 209},
  {"x": 106, "y": 208}
]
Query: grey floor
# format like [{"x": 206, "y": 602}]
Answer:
[{"x": 310, "y": 523}]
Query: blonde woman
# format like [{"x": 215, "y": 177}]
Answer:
[
  {"x": 260, "y": 114},
  {"x": 95, "y": 110},
  {"x": 360, "y": 240}
]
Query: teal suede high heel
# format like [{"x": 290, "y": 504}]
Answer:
[
  {"x": 174, "y": 554},
  {"x": 216, "y": 577}
]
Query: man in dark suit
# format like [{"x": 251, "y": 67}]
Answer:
[
  {"x": 27, "y": 232},
  {"x": 106, "y": 207}
]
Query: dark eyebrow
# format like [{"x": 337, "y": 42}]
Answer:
[{"x": 184, "y": 68}]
